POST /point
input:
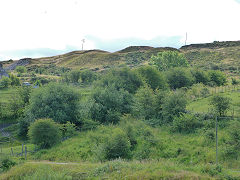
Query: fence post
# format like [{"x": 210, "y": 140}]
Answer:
[
  {"x": 22, "y": 149},
  {"x": 12, "y": 151},
  {"x": 25, "y": 152}
]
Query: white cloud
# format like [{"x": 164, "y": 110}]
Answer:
[{"x": 55, "y": 24}]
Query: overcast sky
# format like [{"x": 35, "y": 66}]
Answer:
[{"x": 36, "y": 28}]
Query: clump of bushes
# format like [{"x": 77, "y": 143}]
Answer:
[
  {"x": 186, "y": 123},
  {"x": 45, "y": 133},
  {"x": 6, "y": 163}
]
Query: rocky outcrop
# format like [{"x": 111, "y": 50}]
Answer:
[
  {"x": 21, "y": 62},
  {"x": 3, "y": 72}
]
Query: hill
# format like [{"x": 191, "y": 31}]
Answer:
[
  {"x": 217, "y": 55},
  {"x": 94, "y": 59},
  {"x": 224, "y": 56}
]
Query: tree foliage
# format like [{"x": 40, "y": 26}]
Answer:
[
  {"x": 122, "y": 78},
  {"x": 218, "y": 77},
  {"x": 45, "y": 133},
  {"x": 169, "y": 59},
  {"x": 117, "y": 146},
  {"x": 220, "y": 104},
  {"x": 21, "y": 69},
  {"x": 109, "y": 104},
  {"x": 154, "y": 78},
  {"x": 179, "y": 77},
  {"x": 174, "y": 106},
  {"x": 5, "y": 82},
  {"x": 55, "y": 101}
]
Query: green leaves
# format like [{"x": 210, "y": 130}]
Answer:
[{"x": 169, "y": 59}]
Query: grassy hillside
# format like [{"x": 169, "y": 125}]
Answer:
[
  {"x": 218, "y": 55},
  {"x": 98, "y": 59},
  {"x": 202, "y": 105},
  {"x": 117, "y": 169}
]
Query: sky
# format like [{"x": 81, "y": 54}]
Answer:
[{"x": 38, "y": 28}]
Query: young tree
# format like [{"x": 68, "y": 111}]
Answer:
[
  {"x": 5, "y": 82},
  {"x": 15, "y": 81},
  {"x": 88, "y": 76},
  {"x": 109, "y": 104},
  {"x": 117, "y": 146},
  {"x": 220, "y": 104},
  {"x": 218, "y": 77},
  {"x": 144, "y": 105},
  {"x": 55, "y": 101},
  {"x": 179, "y": 77},
  {"x": 169, "y": 59},
  {"x": 174, "y": 106},
  {"x": 21, "y": 69},
  {"x": 153, "y": 77},
  {"x": 45, "y": 133},
  {"x": 123, "y": 78},
  {"x": 201, "y": 76}
]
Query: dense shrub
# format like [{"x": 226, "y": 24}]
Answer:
[
  {"x": 153, "y": 77},
  {"x": 144, "y": 105},
  {"x": 109, "y": 104},
  {"x": 55, "y": 101},
  {"x": 186, "y": 123},
  {"x": 218, "y": 77},
  {"x": 88, "y": 76},
  {"x": 117, "y": 146},
  {"x": 5, "y": 82},
  {"x": 21, "y": 69},
  {"x": 200, "y": 76},
  {"x": 122, "y": 78},
  {"x": 45, "y": 133},
  {"x": 174, "y": 106},
  {"x": 220, "y": 104},
  {"x": 6, "y": 163},
  {"x": 179, "y": 77},
  {"x": 15, "y": 81},
  {"x": 68, "y": 130},
  {"x": 169, "y": 59}
]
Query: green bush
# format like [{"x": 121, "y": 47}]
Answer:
[
  {"x": 200, "y": 76},
  {"x": 68, "y": 130},
  {"x": 55, "y": 101},
  {"x": 45, "y": 133},
  {"x": 109, "y": 104},
  {"x": 21, "y": 69},
  {"x": 186, "y": 123},
  {"x": 179, "y": 77},
  {"x": 6, "y": 163},
  {"x": 174, "y": 106},
  {"x": 117, "y": 146},
  {"x": 220, "y": 104},
  {"x": 153, "y": 77},
  {"x": 123, "y": 78},
  {"x": 218, "y": 78},
  {"x": 144, "y": 105},
  {"x": 5, "y": 82},
  {"x": 169, "y": 59},
  {"x": 88, "y": 76}
]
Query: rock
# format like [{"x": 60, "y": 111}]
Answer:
[
  {"x": 21, "y": 62},
  {"x": 3, "y": 72}
]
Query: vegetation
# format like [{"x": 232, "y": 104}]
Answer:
[
  {"x": 45, "y": 133},
  {"x": 220, "y": 104},
  {"x": 149, "y": 120},
  {"x": 169, "y": 59}
]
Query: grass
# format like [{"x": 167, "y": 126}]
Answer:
[
  {"x": 202, "y": 105},
  {"x": 117, "y": 169},
  {"x": 5, "y": 94}
]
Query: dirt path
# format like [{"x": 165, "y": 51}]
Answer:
[{"x": 48, "y": 162}]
